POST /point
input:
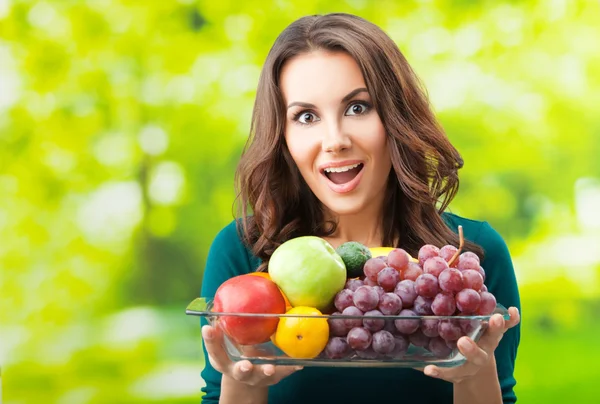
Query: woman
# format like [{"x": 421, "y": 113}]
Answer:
[{"x": 344, "y": 146}]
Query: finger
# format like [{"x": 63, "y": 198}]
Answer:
[
  {"x": 268, "y": 370},
  {"x": 284, "y": 371},
  {"x": 243, "y": 370},
  {"x": 432, "y": 371},
  {"x": 473, "y": 353},
  {"x": 515, "y": 318},
  {"x": 213, "y": 344},
  {"x": 489, "y": 341}
]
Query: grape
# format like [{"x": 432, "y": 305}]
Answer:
[
  {"x": 366, "y": 298},
  {"x": 359, "y": 338},
  {"x": 337, "y": 327},
  {"x": 407, "y": 326},
  {"x": 487, "y": 305},
  {"x": 468, "y": 301},
  {"x": 337, "y": 348},
  {"x": 373, "y": 324},
  {"x": 468, "y": 326},
  {"x": 426, "y": 252},
  {"x": 481, "y": 272},
  {"x": 353, "y": 284},
  {"x": 422, "y": 306},
  {"x": 472, "y": 279},
  {"x": 368, "y": 282},
  {"x": 390, "y": 327},
  {"x": 398, "y": 259},
  {"x": 447, "y": 252},
  {"x": 390, "y": 304},
  {"x": 368, "y": 353},
  {"x": 469, "y": 254},
  {"x": 352, "y": 322},
  {"x": 451, "y": 280},
  {"x": 435, "y": 266},
  {"x": 429, "y": 326},
  {"x": 387, "y": 278},
  {"x": 484, "y": 288},
  {"x": 406, "y": 291},
  {"x": 343, "y": 299},
  {"x": 468, "y": 260},
  {"x": 413, "y": 271},
  {"x": 449, "y": 330},
  {"x": 451, "y": 344},
  {"x": 417, "y": 338},
  {"x": 383, "y": 342},
  {"x": 372, "y": 268},
  {"x": 438, "y": 347},
  {"x": 443, "y": 304},
  {"x": 400, "y": 346},
  {"x": 426, "y": 285},
  {"x": 379, "y": 290}
]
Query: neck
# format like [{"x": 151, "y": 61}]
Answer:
[{"x": 364, "y": 227}]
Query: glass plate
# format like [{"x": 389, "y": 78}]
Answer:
[{"x": 418, "y": 352}]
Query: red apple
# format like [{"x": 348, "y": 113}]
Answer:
[{"x": 249, "y": 294}]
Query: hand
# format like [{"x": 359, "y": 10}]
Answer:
[
  {"x": 243, "y": 371},
  {"x": 477, "y": 355}
]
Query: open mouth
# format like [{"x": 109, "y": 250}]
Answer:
[{"x": 343, "y": 175}]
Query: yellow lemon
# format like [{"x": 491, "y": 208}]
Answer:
[
  {"x": 302, "y": 337},
  {"x": 384, "y": 251}
]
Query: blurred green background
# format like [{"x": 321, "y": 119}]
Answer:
[{"x": 121, "y": 123}]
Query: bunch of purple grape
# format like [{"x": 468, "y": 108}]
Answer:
[{"x": 441, "y": 283}]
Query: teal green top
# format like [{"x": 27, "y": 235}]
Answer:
[{"x": 229, "y": 257}]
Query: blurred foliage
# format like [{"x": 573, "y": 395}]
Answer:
[{"x": 120, "y": 126}]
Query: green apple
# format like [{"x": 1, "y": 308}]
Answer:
[{"x": 309, "y": 271}]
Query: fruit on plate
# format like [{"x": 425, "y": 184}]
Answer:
[
  {"x": 309, "y": 271},
  {"x": 249, "y": 294},
  {"x": 266, "y": 275},
  {"x": 354, "y": 255},
  {"x": 302, "y": 337},
  {"x": 441, "y": 282}
]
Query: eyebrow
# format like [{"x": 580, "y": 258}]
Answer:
[{"x": 347, "y": 98}]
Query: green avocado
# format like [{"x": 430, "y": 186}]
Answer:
[{"x": 354, "y": 255}]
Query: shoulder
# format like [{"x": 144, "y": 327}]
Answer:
[
  {"x": 479, "y": 232},
  {"x": 228, "y": 256},
  {"x": 230, "y": 241},
  {"x": 471, "y": 228},
  {"x": 229, "y": 235}
]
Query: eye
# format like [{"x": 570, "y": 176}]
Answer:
[
  {"x": 359, "y": 108},
  {"x": 306, "y": 118}
]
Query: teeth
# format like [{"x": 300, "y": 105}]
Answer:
[{"x": 341, "y": 169}]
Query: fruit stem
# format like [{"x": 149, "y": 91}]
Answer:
[{"x": 460, "y": 246}]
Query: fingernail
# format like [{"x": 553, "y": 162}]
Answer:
[
  {"x": 244, "y": 368},
  {"x": 299, "y": 367},
  {"x": 268, "y": 372}
]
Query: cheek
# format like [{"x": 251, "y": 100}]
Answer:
[
  {"x": 379, "y": 145},
  {"x": 300, "y": 151}
]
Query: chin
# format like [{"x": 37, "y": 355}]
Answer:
[{"x": 345, "y": 207}]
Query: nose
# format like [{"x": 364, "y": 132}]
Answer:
[{"x": 335, "y": 139}]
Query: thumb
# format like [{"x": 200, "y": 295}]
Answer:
[{"x": 213, "y": 342}]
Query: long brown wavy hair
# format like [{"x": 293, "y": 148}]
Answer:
[{"x": 424, "y": 177}]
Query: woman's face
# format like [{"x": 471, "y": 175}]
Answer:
[{"x": 332, "y": 131}]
